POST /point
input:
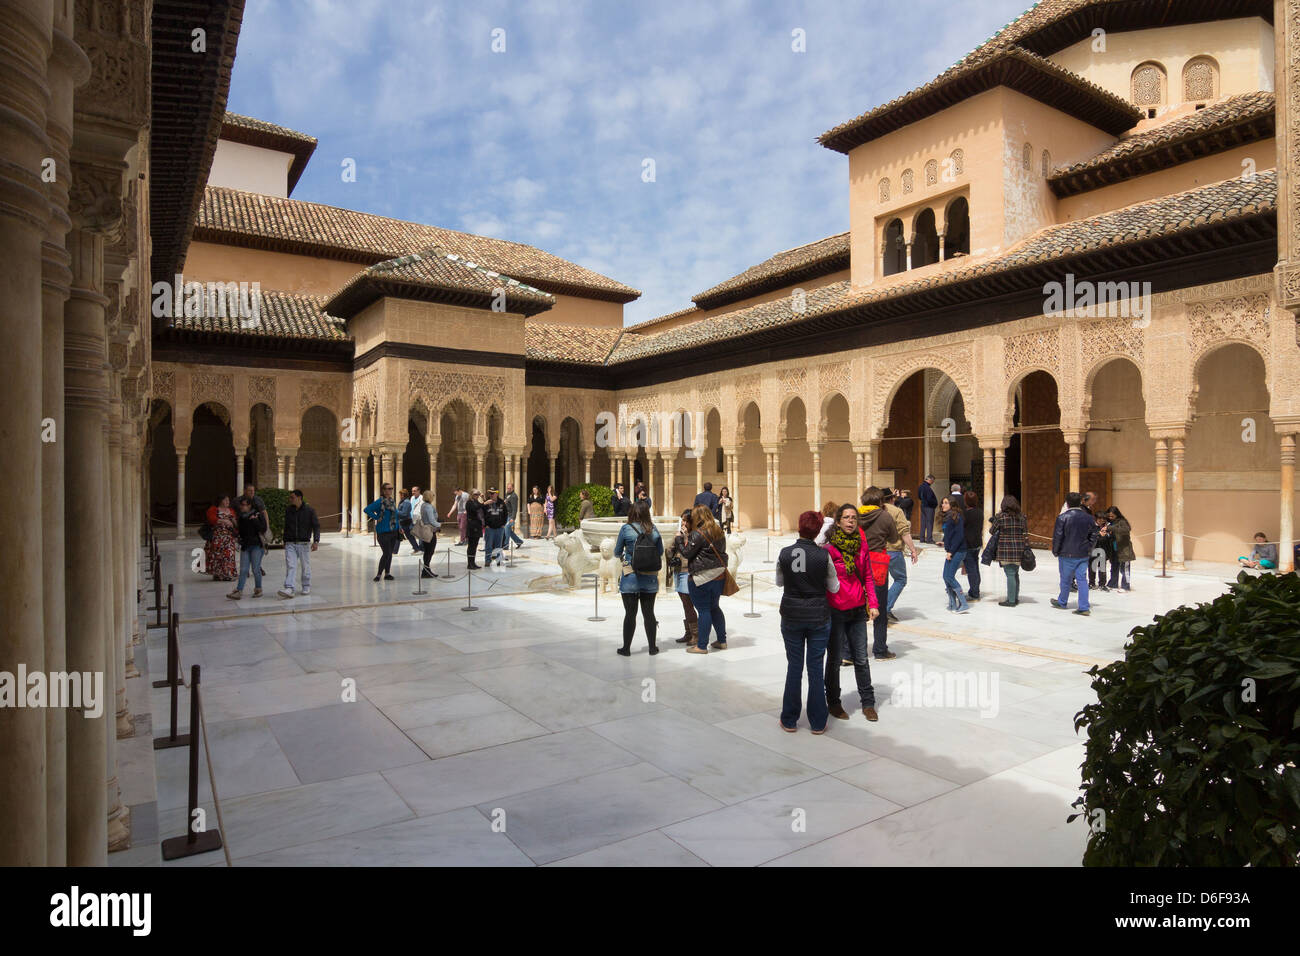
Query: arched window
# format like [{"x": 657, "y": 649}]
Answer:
[
  {"x": 956, "y": 163},
  {"x": 925, "y": 240},
  {"x": 1200, "y": 80},
  {"x": 884, "y": 189},
  {"x": 956, "y": 240},
  {"x": 931, "y": 172},
  {"x": 1027, "y": 157},
  {"x": 894, "y": 259},
  {"x": 1149, "y": 83},
  {"x": 907, "y": 181},
  {"x": 1047, "y": 164}
]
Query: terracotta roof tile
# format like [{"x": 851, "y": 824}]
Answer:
[
  {"x": 648, "y": 326},
  {"x": 238, "y": 217},
  {"x": 287, "y": 315},
  {"x": 569, "y": 343},
  {"x": 240, "y": 121},
  {"x": 802, "y": 262},
  {"x": 1166, "y": 216}
]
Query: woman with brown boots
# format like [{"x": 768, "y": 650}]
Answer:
[{"x": 677, "y": 568}]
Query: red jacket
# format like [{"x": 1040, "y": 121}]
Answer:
[{"x": 854, "y": 591}]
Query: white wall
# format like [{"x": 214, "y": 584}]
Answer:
[{"x": 251, "y": 168}]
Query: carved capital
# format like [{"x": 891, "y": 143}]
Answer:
[{"x": 95, "y": 196}]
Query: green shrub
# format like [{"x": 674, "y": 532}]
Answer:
[
  {"x": 1195, "y": 736},
  {"x": 276, "y": 500},
  {"x": 567, "y": 506}
]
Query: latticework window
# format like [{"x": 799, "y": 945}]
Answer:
[
  {"x": 931, "y": 172},
  {"x": 1200, "y": 80},
  {"x": 1148, "y": 85},
  {"x": 907, "y": 181},
  {"x": 1047, "y": 164},
  {"x": 884, "y": 189}
]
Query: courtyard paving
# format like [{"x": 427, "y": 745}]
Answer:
[{"x": 514, "y": 735}]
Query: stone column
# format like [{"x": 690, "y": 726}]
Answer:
[
  {"x": 767, "y": 457},
  {"x": 377, "y": 474},
  {"x": 398, "y": 482},
  {"x": 555, "y": 472},
  {"x": 345, "y": 497},
  {"x": 650, "y": 475},
  {"x": 433, "y": 472},
  {"x": 239, "y": 469},
  {"x": 1286, "y": 523},
  {"x": 361, "y": 475},
  {"x": 734, "y": 484},
  {"x": 816, "y": 449},
  {"x": 385, "y": 461},
  {"x": 999, "y": 476},
  {"x": 990, "y": 487},
  {"x": 478, "y": 471},
  {"x": 1074, "y": 439},
  {"x": 1176, "y": 555},
  {"x": 860, "y": 454},
  {"x": 670, "y": 481},
  {"x": 776, "y": 491},
  {"x": 291, "y": 464},
  {"x": 180, "y": 492},
  {"x": 280, "y": 474},
  {"x": 1162, "y": 487},
  {"x": 586, "y": 467},
  {"x": 699, "y": 474}
]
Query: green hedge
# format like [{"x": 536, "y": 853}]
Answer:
[
  {"x": 276, "y": 500},
  {"x": 567, "y": 510},
  {"x": 1195, "y": 737}
]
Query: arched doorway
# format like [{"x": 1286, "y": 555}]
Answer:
[
  {"x": 1120, "y": 442},
  {"x": 752, "y": 468},
  {"x": 162, "y": 464},
  {"x": 796, "y": 465},
  {"x": 210, "y": 464},
  {"x": 839, "y": 467},
  {"x": 316, "y": 471},
  {"x": 1037, "y": 454}
]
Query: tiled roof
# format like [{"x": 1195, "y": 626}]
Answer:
[
  {"x": 262, "y": 126},
  {"x": 242, "y": 218},
  {"x": 802, "y": 262},
  {"x": 1167, "y": 216},
  {"x": 648, "y": 326},
  {"x": 438, "y": 275},
  {"x": 286, "y": 315},
  {"x": 1227, "y": 124},
  {"x": 995, "y": 64},
  {"x": 569, "y": 343},
  {"x": 237, "y": 128}
]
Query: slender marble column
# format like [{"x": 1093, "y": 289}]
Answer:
[
  {"x": 771, "y": 497},
  {"x": 291, "y": 463},
  {"x": 999, "y": 478},
  {"x": 1162, "y": 488},
  {"x": 1076, "y": 458},
  {"x": 776, "y": 491},
  {"x": 1176, "y": 555},
  {"x": 586, "y": 467},
  {"x": 398, "y": 482},
  {"x": 816, "y": 449},
  {"x": 280, "y": 474},
  {"x": 1286, "y": 523},
  {"x": 180, "y": 492},
  {"x": 345, "y": 497},
  {"x": 239, "y": 469}
]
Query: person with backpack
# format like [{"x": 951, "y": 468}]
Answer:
[
  {"x": 706, "y": 555},
  {"x": 806, "y": 575},
  {"x": 495, "y": 515},
  {"x": 641, "y": 550},
  {"x": 852, "y": 604},
  {"x": 425, "y": 525}
]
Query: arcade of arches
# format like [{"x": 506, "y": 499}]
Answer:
[{"x": 1174, "y": 423}]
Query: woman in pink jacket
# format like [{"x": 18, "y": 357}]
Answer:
[{"x": 851, "y": 607}]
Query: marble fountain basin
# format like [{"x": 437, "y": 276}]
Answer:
[{"x": 596, "y": 530}]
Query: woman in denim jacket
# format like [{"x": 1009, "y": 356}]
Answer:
[{"x": 638, "y": 588}]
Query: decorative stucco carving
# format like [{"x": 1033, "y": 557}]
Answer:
[
  {"x": 315, "y": 392},
  {"x": 1235, "y": 319},
  {"x": 211, "y": 387},
  {"x": 893, "y": 370},
  {"x": 1040, "y": 349},
  {"x": 261, "y": 388},
  {"x": 1107, "y": 337}
]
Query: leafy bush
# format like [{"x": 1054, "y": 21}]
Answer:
[
  {"x": 276, "y": 500},
  {"x": 1195, "y": 736},
  {"x": 567, "y": 506}
]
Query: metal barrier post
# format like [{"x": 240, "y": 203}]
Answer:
[
  {"x": 768, "y": 559},
  {"x": 469, "y": 591},
  {"x": 752, "y": 612},
  {"x": 194, "y": 841},
  {"x": 173, "y": 647},
  {"x": 159, "y": 622},
  {"x": 595, "y": 595},
  {"x": 1164, "y": 553},
  {"x": 173, "y": 739}
]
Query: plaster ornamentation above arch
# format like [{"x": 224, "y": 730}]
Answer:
[
  {"x": 164, "y": 385},
  {"x": 261, "y": 389},
  {"x": 438, "y": 387},
  {"x": 1103, "y": 339},
  {"x": 1242, "y": 319},
  {"x": 1032, "y": 350},
  {"x": 315, "y": 392},
  {"x": 747, "y": 389},
  {"x": 211, "y": 387}
]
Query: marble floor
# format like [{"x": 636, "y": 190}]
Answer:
[{"x": 369, "y": 725}]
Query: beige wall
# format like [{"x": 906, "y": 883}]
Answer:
[
  {"x": 253, "y": 169},
  {"x": 281, "y": 271},
  {"x": 1166, "y": 182},
  {"x": 1007, "y": 202},
  {"x": 782, "y": 293},
  {"x": 574, "y": 310},
  {"x": 439, "y": 326},
  {"x": 1243, "y": 49}
]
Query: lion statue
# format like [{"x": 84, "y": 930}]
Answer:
[
  {"x": 610, "y": 568},
  {"x": 573, "y": 558},
  {"x": 735, "y": 552}
]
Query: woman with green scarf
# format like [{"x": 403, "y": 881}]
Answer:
[{"x": 851, "y": 607}]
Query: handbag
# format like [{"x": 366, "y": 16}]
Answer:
[
  {"x": 729, "y": 585},
  {"x": 879, "y": 567},
  {"x": 990, "y": 549},
  {"x": 1027, "y": 560}
]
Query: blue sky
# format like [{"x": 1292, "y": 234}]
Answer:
[{"x": 545, "y": 142}]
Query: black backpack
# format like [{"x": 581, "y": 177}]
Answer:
[{"x": 645, "y": 556}]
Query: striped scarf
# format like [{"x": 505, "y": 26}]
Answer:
[{"x": 848, "y": 545}]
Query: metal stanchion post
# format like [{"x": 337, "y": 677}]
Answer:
[
  {"x": 595, "y": 596},
  {"x": 1164, "y": 553},
  {"x": 173, "y": 648},
  {"x": 194, "y": 841},
  {"x": 158, "y": 621},
  {"x": 419, "y": 575},
  {"x": 173, "y": 739},
  {"x": 752, "y": 612},
  {"x": 448, "y": 562},
  {"x": 469, "y": 591},
  {"x": 768, "y": 559}
]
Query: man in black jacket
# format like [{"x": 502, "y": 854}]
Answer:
[
  {"x": 473, "y": 528},
  {"x": 301, "y": 537},
  {"x": 925, "y": 494},
  {"x": 1073, "y": 539},
  {"x": 709, "y": 500},
  {"x": 495, "y": 516},
  {"x": 620, "y": 502}
]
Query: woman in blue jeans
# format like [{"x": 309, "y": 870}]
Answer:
[
  {"x": 706, "y": 557},
  {"x": 806, "y": 574},
  {"x": 639, "y": 586},
  {"x": 954, "y": 546}
]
